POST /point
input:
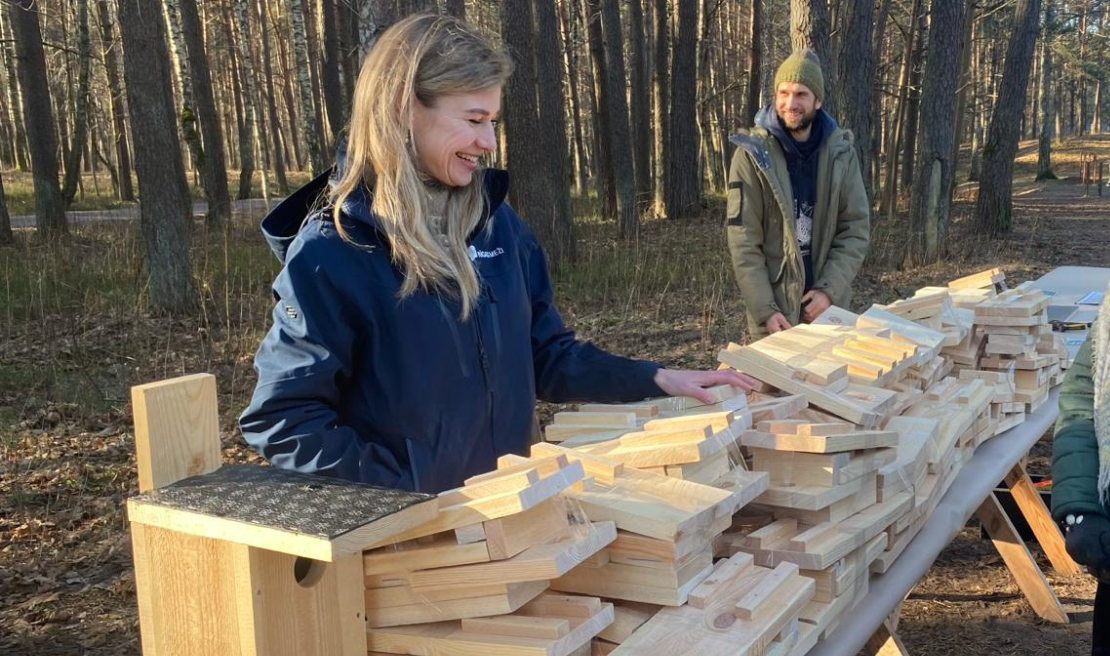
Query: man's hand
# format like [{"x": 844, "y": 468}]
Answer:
[
  {"x": 777, "y": 322},
  {"x": 814, "y": 304},
  {"x": 1088, "y": 540},
  {"x": 685, "y": 382}
]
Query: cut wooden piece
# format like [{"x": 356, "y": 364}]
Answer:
[
  {"x": 499, "y": 637},
  {"x": 720, "y": 394},
  {"x": 549, "y": 628},
  {"x": 782, "y": 407},
  {"x": 707, "y": 471},
  {"x": 805, "y": 428},
  {"x": 516, "y": 596},
  {"x": 444, "y": 551},
  {"x": 771, "y": 536},
  {"x": 769, "y": 370},
  {"x": 182, "y": 418},
  {"x": 590, "y": 433},
  {"x": 800, "y": 468},
  {"x": 404, "y": 595},
  {"x": 835, "y": 512},
  {"x": 462, "y": 507},
  {"x": 541, "y": 562},
  {"x": 717, "y": 584},
  {"x": 508, "y": 536},
  {"x": 987, "y": 278},
  {"x": 813, "y": 497},
  {"x": 628, "y": 616},
  {"x": 716, "y": 421},
  {"x": 756, "y": 601},
  {"x": 820, "y": 444}
]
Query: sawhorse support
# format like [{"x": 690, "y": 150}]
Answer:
[{"x": 1030, "y": 579}]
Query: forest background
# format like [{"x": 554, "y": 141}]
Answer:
[{"x": 142, "y": 140}]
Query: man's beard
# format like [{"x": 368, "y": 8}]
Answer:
[{"x": 803, "y": 123}]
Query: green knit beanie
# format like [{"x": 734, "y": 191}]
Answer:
[{"x": 803, "y": 67}]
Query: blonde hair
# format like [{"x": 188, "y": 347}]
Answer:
[{"x": 419, "y": 59}]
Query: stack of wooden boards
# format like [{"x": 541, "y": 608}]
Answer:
[{"x": 746, "y": 526}]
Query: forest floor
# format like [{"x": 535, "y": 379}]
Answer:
[{"x": 75, "y": 334}]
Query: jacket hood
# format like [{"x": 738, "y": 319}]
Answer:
[
  {"x": 768, "y": 119},
  {"x": 283, "y": 223}
]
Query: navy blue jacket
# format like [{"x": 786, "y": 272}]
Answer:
[{"x": 355, "y": 383}]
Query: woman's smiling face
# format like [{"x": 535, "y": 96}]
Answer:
[{"x": 453, "y": 134}]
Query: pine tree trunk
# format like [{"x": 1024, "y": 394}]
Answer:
[
  {"x": 552, "y": 133},
  {"x": 239, "y": 59},
  {"x": 682, "y": 190},
  {"x": 367, "y": 27},
  {"x": 810, "y": 28},
  {"x": 620, "y": 142},
  {"x": 456, "y": 8},
  {"x": 11, "y": 92},
  {"x": 250, "y": 93},
  {"x": 6, "y": 236},
  {"x": 994, "y": 208},
  {"x": 607, "y": 187},
  {"x": 962, "y": 85},
  {"x": 214, "y": 162},
  {"x": 755, "y": 63},
  {"x": 570, "y": 54},
  {"x": 38, "y": 117},
  {"x": 856, "y": 70},
  {"x": 120, "y": 140},
  {"x": 913, "y": 107},
  {"x": 894, "y": 144},
  {"x": 164, "y": 205},
  {"x": 931, "y": 194},
  {"x": 640, "y": 103},
  {"x": 307, "y": 109},
  {"x": 329, "y": 72},
  {"x": 277, "y": 152},
  {"x": 1048, "y": 107},
  {"x": 81, "y": 116},
  {"x": 661, "y": 87}
]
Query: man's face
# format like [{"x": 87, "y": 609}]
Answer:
[{"x": 796, "y": 106}]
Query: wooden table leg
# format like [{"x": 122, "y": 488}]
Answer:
[
  {"x": 885, "y": 642},
  {"x": 1019, "y": 561},
  {"x": 1047, "y": 532}
]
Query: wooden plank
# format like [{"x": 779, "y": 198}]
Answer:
[
  {"x": 755, "y": 601},
  {"x": 443, "y": 551},
  {"x": 549, "y": 628},
  {"x": 813, "y": 497},
  {"x": 1020, "y": 562},
  {"x": 629, "y": 587},
  {"x": 710, "y": 590},
  {"x": 177, "y": 430},
  {"x": 987, "y": 278},
  {"x": 505, "y": 468},
  {"x": 1036, "y": 514},
  {"x": 627, "y": 617},
  {"x": 508, "y": 536},
  {"x": 452, "y": 639},
  {"x": 820, "y": 444},
  {"x": 516, "y": 596},
  {"x": 784, "y": 377},
  {"x": 612, "y": 419},
  {"x": 404, "y": 595},
  {"x": 642, "y": 411},
  {"x": 541, "y": 562}
]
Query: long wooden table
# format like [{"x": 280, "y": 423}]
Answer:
[{"x": 972, "y": 494}]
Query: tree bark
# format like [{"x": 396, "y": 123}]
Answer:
[
  {"x": 214, "y": 162},
  {"x": 1048, "y": 106},
  {"x": 640, "y": 103},
  {"x": 329, "y": 72},
  {"x": 755, "y": 62},
  {"x": 81, "y": 116},
  {"x": 570, "y": 53},
  {"x": 894, "y": 144},
  {"x": 553, "y": 135},
  {"x": 616, "y": 91},
  {"x": 682, "y": 190},
  {"x": 164, "y": 203},
  {"x": 307, "y": 110},
  {"x": 856, "y": 70},
  {"x": 11, "y": 91},
  {"x": 277, "y": 152},
  {"x": 456, "y": 8},
  {"x": 116, "y": 102},
  {"x": 239, "y": 58},
  {"x": 6, "y": 236},
  {"x": 931, "y": 194},
  {"x": 810, "y": 28},
  {"x": 913, "y": 106},
  {"x": 994, "y": 208},
  {"x": 607, "y": 187},
  {"x": 38, "y": 117},
  {"x": 661, "y": 97}
]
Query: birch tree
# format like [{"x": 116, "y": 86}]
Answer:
[
  {"x": 306, "y": 106},
  {"x": 116, "y": 101},
  {"x": 81, "y": 119}
]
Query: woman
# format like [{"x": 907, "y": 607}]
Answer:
[
  {"x": 415, "y": 324},
  {"x": 1081, "y": 467}
]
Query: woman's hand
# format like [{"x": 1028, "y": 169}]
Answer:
[{"x": 686, "y": 382}]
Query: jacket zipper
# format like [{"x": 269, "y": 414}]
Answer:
[{"x": 482, "y": 356}]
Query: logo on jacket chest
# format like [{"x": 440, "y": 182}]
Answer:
[{"x": 476, "y": 254}]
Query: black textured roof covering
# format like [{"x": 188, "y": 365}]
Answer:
[{"x": 278, "y": 498}]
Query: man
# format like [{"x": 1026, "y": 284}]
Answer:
[{"x": 798, "y": 215}]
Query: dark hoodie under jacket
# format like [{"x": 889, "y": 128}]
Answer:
[{"x": 357, "y": 384}]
